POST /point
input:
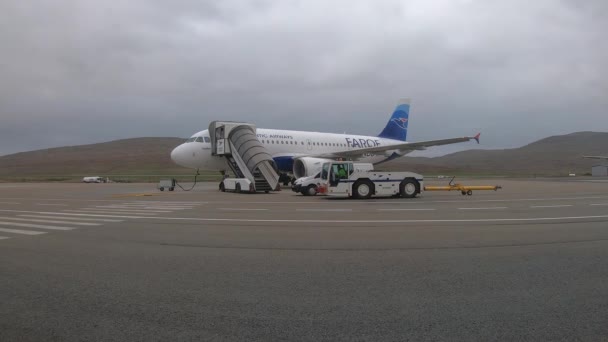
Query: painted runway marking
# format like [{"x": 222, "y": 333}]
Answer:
[
  {"x": 71, "y": 218},
  {"x": 111, "y": 212},
  {"x": 53, "y": 204},
  {"x": 4, "y": 237},
  {"x": 313, "y": 202},
  {"x": 10, "y": 203},
  {"x": 242, "y": 209},
  {"x": 485, "y": 208},
  {"x": 127, "y": 210},
  {"x": 165, "y": 202},
  {"x": 28, "y": 225},
  {"x": 99, "y": 215},
  {"x": 523, "y": 219},
  {"x": 19, "y": 231},
  {"x": 70, "y": 214},
  {"x": 49, "y": 221},
  {"x": 147, "y": 206},
  {"x": 596, "y": 204},
  {"x": 407, "y": 209},
  {"x": 551, "y": 206},
  {"x": 157, "y": 209},
  {"x": 421, "y": 201},
  {"x": 324, "y": 209}
]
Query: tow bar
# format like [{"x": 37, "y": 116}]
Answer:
[{"x": 464, "y": 189}]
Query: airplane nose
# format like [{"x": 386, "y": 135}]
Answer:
[{"x": 179, "y": 156}]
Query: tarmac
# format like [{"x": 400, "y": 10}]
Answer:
[{"x": 126, "y": 262}]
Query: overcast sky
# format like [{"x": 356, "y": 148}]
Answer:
[{"x": 80, "y": 71}]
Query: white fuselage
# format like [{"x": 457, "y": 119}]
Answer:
[{"x": 284, "y": 145}]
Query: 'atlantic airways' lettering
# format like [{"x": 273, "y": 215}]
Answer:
[
  {"x": 274, "y": 136},
  {"x": 362, "y": 143}
]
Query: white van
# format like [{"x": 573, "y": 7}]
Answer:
[{"x": 309, "y": 186}]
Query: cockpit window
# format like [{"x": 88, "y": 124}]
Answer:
[
  {"x": 199, "y": 139},
  {"x": 191, "y": 139},
  {"x": 207, "y": 139}
]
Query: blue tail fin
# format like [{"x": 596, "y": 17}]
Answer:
[{"x": 396, "y": 128}]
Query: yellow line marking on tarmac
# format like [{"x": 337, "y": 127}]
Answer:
[{"x": 136, "y": 195}]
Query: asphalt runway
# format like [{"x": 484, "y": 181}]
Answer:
[{"x": 110, "y": 262}]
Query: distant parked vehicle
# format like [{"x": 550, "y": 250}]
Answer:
[
  {"x": 95, "y": 179},
  {"x": 168, "y": 184}
]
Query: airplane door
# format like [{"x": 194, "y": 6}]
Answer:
[{"x": 308, "y": 145}]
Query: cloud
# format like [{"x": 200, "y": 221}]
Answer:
[{"x": 82, "y": 71}]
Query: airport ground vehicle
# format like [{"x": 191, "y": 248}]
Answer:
[
  {"x": 238, "y": 185},
  {"x": 308, "y": 186},
  {"x": 95, "y": 179},
  {"x": 168, "y": 184},
  {"x": 343, "y": 179}
]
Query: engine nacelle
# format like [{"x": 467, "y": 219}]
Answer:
[{"x": 307, "y": 166}]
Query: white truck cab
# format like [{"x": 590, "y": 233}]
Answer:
[
  {"x": 341, "y": 178},
  {"x": 309, "y": 186}
]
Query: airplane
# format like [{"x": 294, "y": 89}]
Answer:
[{"x": 302, "y": 153}]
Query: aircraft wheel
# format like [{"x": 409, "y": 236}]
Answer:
[
  {"x": 463, "y": 193},
  {"x": 237, "y": 188},
  {"x": 311, "y": 190},
  {"x": 408, "y": 188},
  {"x": 470, "y": 192},
  {"x": 363, "y": 189},
  {"x": 161, "y": 189}
]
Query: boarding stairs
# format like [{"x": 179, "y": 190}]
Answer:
[{"x": 244, "y": 153}]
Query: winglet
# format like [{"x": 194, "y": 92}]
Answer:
[{"x": 477, "y": 137}]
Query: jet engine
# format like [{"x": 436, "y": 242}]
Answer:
[{"x": 307, "y": 166}]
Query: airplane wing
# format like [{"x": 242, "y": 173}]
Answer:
[{"x": 400, "y": 149}]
